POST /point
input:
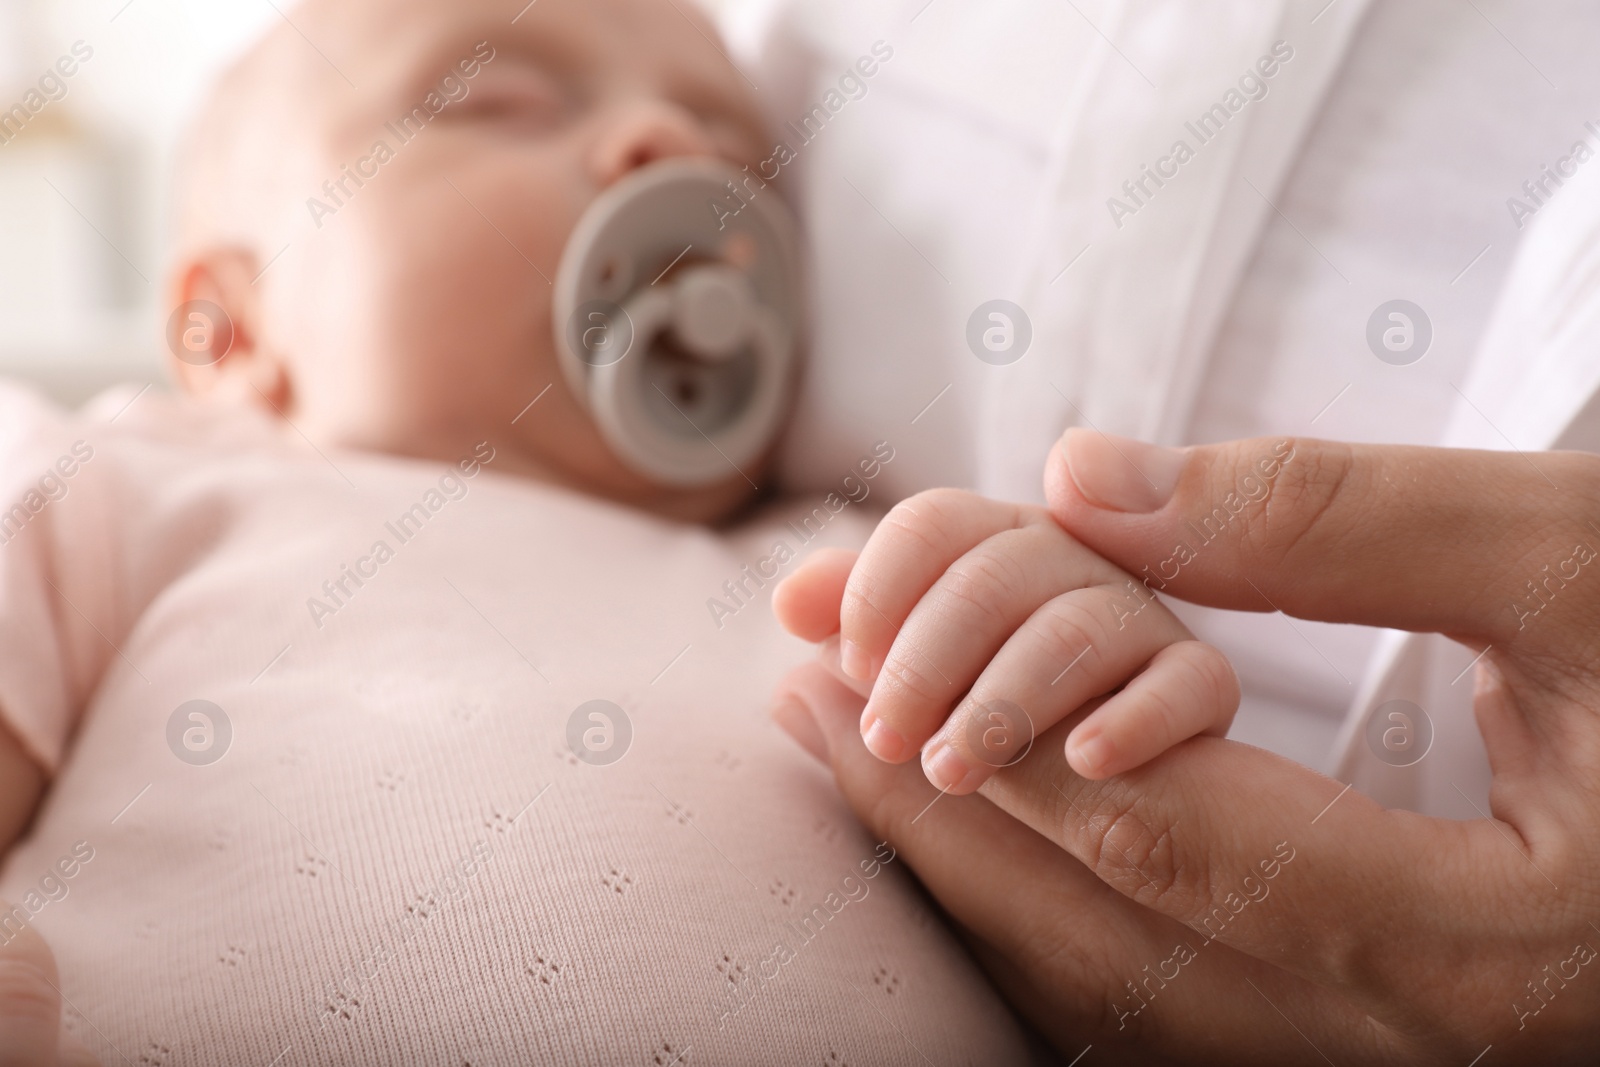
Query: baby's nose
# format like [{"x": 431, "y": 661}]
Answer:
[{"x": 639, "y": 133}]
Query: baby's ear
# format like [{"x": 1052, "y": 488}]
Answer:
[{"x": 214, "y": 332}]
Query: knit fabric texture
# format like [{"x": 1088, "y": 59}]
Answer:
[{"x": 364, "y": 760}]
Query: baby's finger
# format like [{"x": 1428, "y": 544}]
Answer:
[
  {"x": 914, "y": 544},
  {"x": 1077, "y": 646},
  {"x": 964, "y": 618},
  {"x": 828, "y": 656},
  {"x": 1188, "y": 689},
  {"x": 807, "y": 602}
]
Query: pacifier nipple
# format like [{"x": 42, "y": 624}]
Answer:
[{"x": 713, "y": 311}]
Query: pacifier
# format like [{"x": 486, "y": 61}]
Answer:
[{"x": 676, "y": 310}]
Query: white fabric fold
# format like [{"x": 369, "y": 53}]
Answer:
[
  {"x": 986, "y": 163},
  {"x": 1533, "y": 387},
  {"x": 1122, "y": 231}
]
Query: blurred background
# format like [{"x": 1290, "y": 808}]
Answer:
[
  {"x": 83, "y": 181},
  {"x": 83, "y": 178}
]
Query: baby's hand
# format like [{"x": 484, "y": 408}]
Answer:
[
  {"x": 973, "y": 625},
  {"x": 30, "y": 1005}
]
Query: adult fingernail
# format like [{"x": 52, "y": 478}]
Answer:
[
  {"x": 1092, "y": 756},
  {"x": 881, "y": 740},
  {"x": 1120, "y": 473},
  {"x": 796, "y": 720},
  {"x": 854, "y": 662},
  {"x": 947, "y": 771}
]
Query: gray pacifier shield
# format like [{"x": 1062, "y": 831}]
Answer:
[{"x": 676, "y": 312}]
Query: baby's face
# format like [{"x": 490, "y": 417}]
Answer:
[{"x": 411, "y": 313}]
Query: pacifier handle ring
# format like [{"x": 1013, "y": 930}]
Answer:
[{"x": 674, "y": 459}]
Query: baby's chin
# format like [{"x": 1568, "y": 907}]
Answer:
[
  {"x": 716, "y": 504},
  {"x": 603, "y": 476}
]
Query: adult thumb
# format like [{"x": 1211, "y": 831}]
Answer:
[{"x": 1477, "y": 545}]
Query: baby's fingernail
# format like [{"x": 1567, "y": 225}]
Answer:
[
  {"x": 1093, "y": 755},
  {"x": 854, "y": 662},
  {"x": 947, "y": 771},
  {"x": 1120, "y": 473},
  {"x": 882, "y": 741}
]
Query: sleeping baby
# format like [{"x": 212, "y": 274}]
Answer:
[{"x": 390, "y": 696}]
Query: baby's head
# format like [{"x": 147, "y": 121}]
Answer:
[{"x": 378, "y": 196}]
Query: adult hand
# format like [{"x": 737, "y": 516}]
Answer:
[
  {"x": 30, "y": 1005},
  {"x": 1222, "y": 904}
]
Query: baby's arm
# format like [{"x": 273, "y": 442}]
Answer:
[
  {"x": 30, "y": 1003},
  {"x": 974, "y": 625}
]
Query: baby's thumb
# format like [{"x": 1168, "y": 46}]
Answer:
[
  {"x": 30, "y": 1003},
  {"x": 807, "y": 602}
]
